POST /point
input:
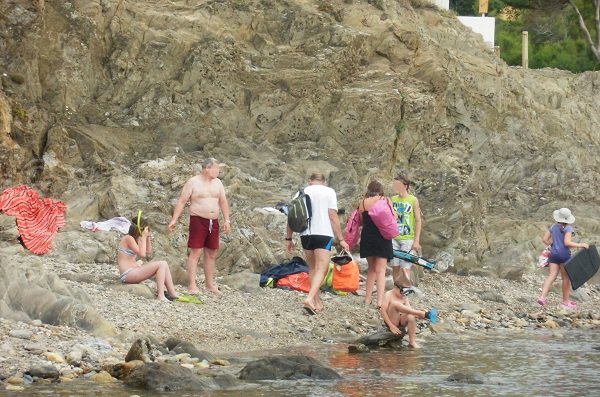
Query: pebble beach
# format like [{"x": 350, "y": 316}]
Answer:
[{"x": 238, "y": 322}]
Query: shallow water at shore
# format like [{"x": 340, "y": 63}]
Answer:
[{"x": 508, "y": 363}]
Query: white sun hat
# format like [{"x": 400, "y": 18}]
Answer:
[{"x": 563, "y": 215}]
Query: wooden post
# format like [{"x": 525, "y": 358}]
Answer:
[
  {"x": 483, "y": 6},
  {"x": 525, "y": 49}
]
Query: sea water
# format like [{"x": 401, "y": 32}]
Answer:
[{"x": 495, "y": 363}]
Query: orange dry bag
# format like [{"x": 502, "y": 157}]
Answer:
[{"x": 345, "y": 277}]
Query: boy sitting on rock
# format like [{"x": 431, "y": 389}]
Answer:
[{"x": 397, "y": 312}]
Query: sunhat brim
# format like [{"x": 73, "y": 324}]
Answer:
[{"x": 561, "y": 219}]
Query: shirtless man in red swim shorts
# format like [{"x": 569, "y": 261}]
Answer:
[{"x": 206, "y": 195}]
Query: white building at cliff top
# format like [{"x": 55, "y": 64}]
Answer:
[
  {"x": 444, "y": 4},
  {"x": 485, "y": 26}
]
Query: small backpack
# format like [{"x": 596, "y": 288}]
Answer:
[
  {"x": 352, "y": 229},
  {"x": 300, "y": 212}
]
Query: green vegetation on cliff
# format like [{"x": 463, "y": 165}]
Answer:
[{"x": 555, "y": 37}]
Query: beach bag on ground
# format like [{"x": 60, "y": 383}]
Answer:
[
  {"x": 269, "y": 277},
  {"x": 543, "y": 258},
  {"x": 345, "y": 277},
  {"x": 300, "y": 212},
  {"x": 298, "y": 282},
  {"x": 352, "y": 230},
  {"x": 383, "y": 217},
  {"x": 327, "y": 283}
]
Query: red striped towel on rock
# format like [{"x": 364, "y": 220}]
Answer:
[{"x": 38, "y": 219}]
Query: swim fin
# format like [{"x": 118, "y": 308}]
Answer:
[
  {"x": 431, "y": 315},
  {"x": 186, "y": 298}
]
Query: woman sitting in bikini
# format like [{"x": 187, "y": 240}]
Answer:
[{"x": 137, "y": 243}]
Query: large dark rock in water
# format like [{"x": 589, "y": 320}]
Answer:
[
  {"x": 164, "y": 377},
  {"x": 287, "y": 368},
  {"x": 381, "y": 338},
  {"x": 45, "y": 371},
  {"x": 140, "y": 350},
  {"x": 466, "y": 377},
  {"x": 179, "y": 346}
]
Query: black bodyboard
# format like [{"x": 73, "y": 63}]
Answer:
[{"x": 582, "y": 266}]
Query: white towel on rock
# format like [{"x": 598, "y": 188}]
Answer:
[{"x": 119, "y": 223}]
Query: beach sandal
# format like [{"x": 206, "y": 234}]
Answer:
[
  {"x": 431, "y": 315},
  {"x": 186, "y": 298},
  {"x": 309, "y": 310},
  {"x": 569, "y": 305},
  {"x": 541, "y": 301}
]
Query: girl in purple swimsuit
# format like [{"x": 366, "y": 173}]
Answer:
[{"x": 559, "y": 235}]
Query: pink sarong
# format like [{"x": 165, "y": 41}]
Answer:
[{"x": 38, "y": 219}]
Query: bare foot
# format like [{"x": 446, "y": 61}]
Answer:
[
  {"x": 213, "y": 290},
  {"x": 414, "y": 345},
  {"x": 368, "y": 302},
  {"x": 193, "y": 290},
  {"x": 319, "y": 308},
  {"x": 310, "y": 304},
  {"x": 162, "y": 299}
]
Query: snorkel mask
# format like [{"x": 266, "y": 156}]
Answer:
[{"x": 406, "y": 290}]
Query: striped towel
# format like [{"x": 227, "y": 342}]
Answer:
[{"x": 38, "y": 219}]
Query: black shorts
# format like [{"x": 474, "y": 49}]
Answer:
[{"x": 315, "y": 241}]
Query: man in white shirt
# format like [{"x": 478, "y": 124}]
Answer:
[{"x": 318, "y": 237}]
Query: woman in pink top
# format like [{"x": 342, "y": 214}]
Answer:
[{"x": 373, "y": 246}]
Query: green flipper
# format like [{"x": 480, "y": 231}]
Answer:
[
  {"x": 186, "y": 298},
  {"x": 328, "y": 279}
]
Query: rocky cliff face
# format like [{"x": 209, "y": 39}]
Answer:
[{"x": 111, "y": 105}]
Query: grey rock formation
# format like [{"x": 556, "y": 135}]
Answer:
[
  {"x": 28, "y": 292},
  {"x": 244, "y": 281},
  {"x": 110, "y": 106}
]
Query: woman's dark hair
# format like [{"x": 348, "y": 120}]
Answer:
[
  {"x": 375, "y": 188},
  {"x": 400, "y": 284},
  {"x": 134, "y": 230}
]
